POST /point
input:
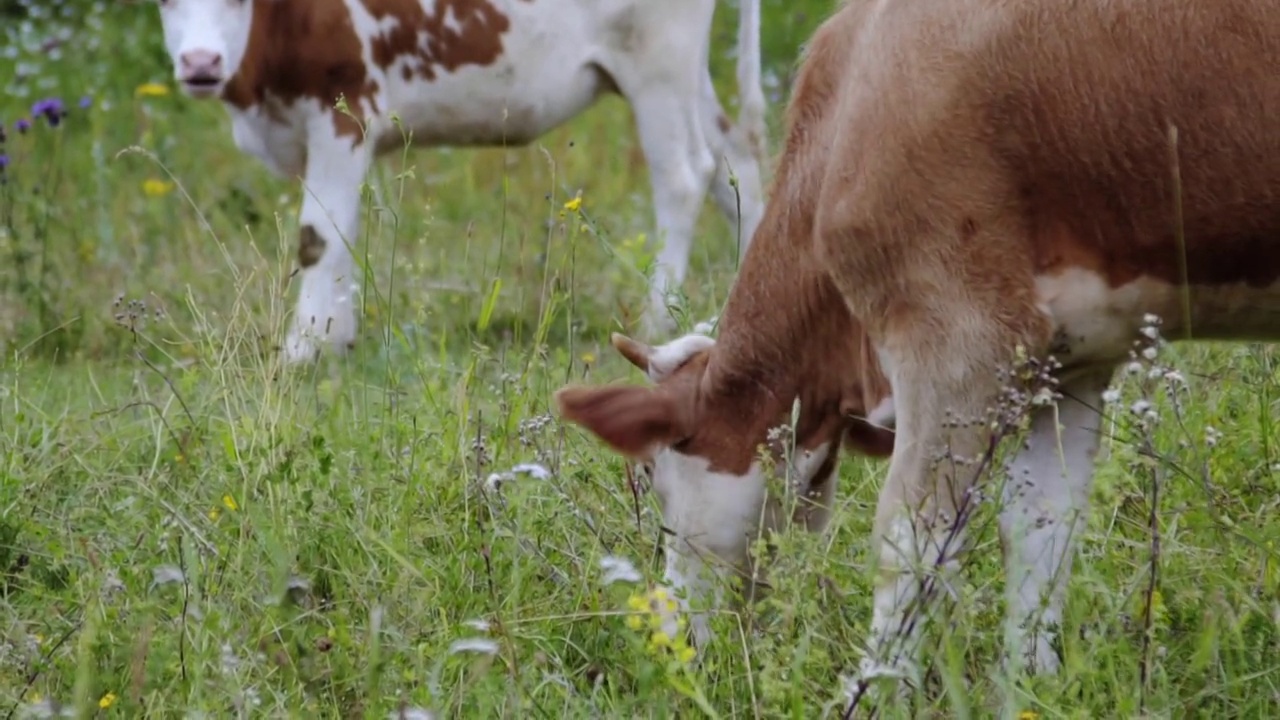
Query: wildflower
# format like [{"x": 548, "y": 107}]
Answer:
[
  {"x": 481, "y": 645},
  {"x": 1211, "y": 436},
  {"x": 86, "y": 102},
  {"x": 151, "y": 90},
  {"x": 411, "y": 713},
  {"x": 22, "y": 125},
  {"x": 618, "y": 569},
  {"x": 1028, "y": 715},
  {"x": 107, "y": 700},
  {"x": 51, "y": 109},
  {"x": 533, "y": 470},
  {"x": 575, "y": 204},
  {"x": 588, "y": 358},
  {"x": 4, "y": 161},
  {"x": 230, "y": 502},
  {"x": 166, "y": 574},
  {"x": 656, "y": 609},
  {"x": 152, "y": 187},
  {"x": 214, "y": 513}
]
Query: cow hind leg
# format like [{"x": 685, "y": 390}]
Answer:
[
  {"x": 738, "y": 185},
  {"x": 662, "y": 87}
]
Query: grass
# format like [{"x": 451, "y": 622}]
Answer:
[{"x": 186, "y": 528}]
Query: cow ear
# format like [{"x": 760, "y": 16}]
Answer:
[{"x": 634, "y": 421}]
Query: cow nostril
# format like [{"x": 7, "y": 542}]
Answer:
[{"x": 203, "y": 60}]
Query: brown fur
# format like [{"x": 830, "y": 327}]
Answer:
[
  {"x": 937, "y": 155},
  {"x": 478, "y": 43},
  {"x": 309, "y": 49},
  {"x": 938, "y": 159},
  {"x": 962, "y": 182}
]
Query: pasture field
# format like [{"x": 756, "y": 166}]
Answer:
[{"x": 190, "y": 529}]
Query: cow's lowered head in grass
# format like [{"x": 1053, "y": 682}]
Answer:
[{"x": 712, "y": 432}]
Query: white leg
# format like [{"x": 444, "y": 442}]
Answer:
[
  {"x": 681, "y": 169},
  {"x": 328, "y": 224},
  {"x": 1045, "y": 501},
  {"x": 735, "y": 160},
  {"x": 944, "y": 387},
  {"x": 663, "y": 90}
]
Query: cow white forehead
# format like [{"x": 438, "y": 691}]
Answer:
[
  {"x": 668, "y": 358},
  {"x": 208, "y": 28}
]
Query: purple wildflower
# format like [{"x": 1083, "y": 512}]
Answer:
[
  {"x": 86, "y": 102},
  {"x": 22, "y": 125},
  {"x": 4, "y": 161},
  {"x": 51, "y": 109}
]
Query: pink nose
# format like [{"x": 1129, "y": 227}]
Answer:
[{"x": 197, "y": 64}]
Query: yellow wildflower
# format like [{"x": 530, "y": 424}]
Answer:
[
  {"x": 151, "y": 89},
  {"x": 152, "y": 187},
  {"x": 107, "y": 700},
  {"x": 215, "y": 513},
  {"x": 575, "y": 204},
  {"x": 660, "y": 639},
  {"x": 230, "y": 502},
  {"x": 1028, "y": 715},
  {"x": 588, "y": 358},
  {"x": 686, "y": 654},
  {"x": 635, "y": 622},
  {"x": 638, "y": 602}
]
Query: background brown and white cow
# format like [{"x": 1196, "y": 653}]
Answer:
[
  {"x": 963, "y": 183},
  {"x": 467, "y": 72}
]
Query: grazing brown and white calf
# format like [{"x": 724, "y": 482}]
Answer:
[
  {"x": 467, "y": 72},
  {"x": 963, "y": 182}
]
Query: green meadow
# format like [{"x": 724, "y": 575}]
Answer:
[{"x": 188, "y": 528}]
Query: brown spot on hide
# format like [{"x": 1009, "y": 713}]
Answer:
[
  {"x": 309, "y": 49},
  {"x": 304, "y": 49},
  {"x": 310, "y": 246},
  {"x": 471, "y": 36}
]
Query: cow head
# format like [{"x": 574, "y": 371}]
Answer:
[
  {"x": 206, "y": 40},
  {"x": 695, "y": 425}
]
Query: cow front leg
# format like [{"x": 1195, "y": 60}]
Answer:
[
  {"x": 329, "y": 223},
  {"x": 1044, "y": 505}
]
